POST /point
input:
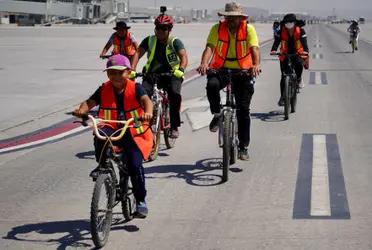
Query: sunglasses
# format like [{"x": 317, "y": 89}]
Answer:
[{"x": 163, "y": 28}]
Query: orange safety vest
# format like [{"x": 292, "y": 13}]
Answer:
[
  {"x": 243, "y": 54},
  {"x": 129, "y": 48},
  {"x": 142, "y": 135},
  {"x": 284, "y": 41}
]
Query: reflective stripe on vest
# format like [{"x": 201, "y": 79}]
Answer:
[
  {"x": 242, "y": 52},
  {"x": 170, "y": 52},
  {"x": 285, "y": 38},
  {"x": 108, "y": 110},
  {"x": 129, "y": 49}
]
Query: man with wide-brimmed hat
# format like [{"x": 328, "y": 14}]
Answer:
[
  {"x": 123, "y": 41},
  {"x": 232, "y": 44}
]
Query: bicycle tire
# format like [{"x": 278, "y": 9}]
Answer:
[
  {"x": 156, "y": 145},
  {"x": 234, "y": 142},
  {"x": 286, "y": 97},
  {"x": 353, "y": 45},
  {"x": 226, "y": 148},
  {"x": 294, "y": 97},
  {"x": 169, "y": 142},
  {"x": 128, "y": 202},
  {"x": 97, "y": 222}
]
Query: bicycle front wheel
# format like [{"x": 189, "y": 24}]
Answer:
[
  {"x": 286, "y": 97},
  {"x": 101, "y": 209},
  {"x": 226, "y": 148}
]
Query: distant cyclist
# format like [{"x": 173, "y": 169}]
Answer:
[
  {"x": 354, "y": 31},
  {"x": 165, "y": 53},
  {"x": 293, "y": 40},
  {"x": 123, "y": 41}
]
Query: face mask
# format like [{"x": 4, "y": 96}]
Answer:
[{"x": 289, "y": 25}]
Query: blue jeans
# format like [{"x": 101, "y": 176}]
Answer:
[{"x": 133, "y": 158}]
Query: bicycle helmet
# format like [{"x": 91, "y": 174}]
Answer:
[{"x": 164, "y": 20}]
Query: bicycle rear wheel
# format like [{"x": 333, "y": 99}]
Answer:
[
  {"x": 169, "y": 142},
  {"x": 353, "y": 45},
  {"x": 226, "y": 148},
  {"x": 128, "y": 202},
  {"x": 234, "y": 141},
  {"x": 294, "y": 88},
  {"x": 286, "y": 97},
  {"x": 101, "y": 209}
]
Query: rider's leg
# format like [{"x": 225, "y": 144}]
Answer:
[
  {"x": 283, "y": 67},
  {"x": 175, "y": 99},
  {"x": 149, "y": 87},
  {"x": 299, "y": 68},
  {"x": 214, "y": 86},
  {"x": 243, "y": 90},
  {"x": 133, "y": 157}
]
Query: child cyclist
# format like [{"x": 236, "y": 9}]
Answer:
[{"x": 120, "y": 98}]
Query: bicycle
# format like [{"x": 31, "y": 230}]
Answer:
[
  {"x": 291, "y": 87},
  {"x": 354, "y": 46},
  {"x": 228, "y": 132},
  {"x": 114, "y": 190},
  {"x": 161, "y": 114}
]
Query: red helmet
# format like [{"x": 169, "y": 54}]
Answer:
[{"x": 164, "y": 20}]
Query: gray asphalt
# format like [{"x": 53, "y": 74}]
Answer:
[{"x": 45, "y": 192}]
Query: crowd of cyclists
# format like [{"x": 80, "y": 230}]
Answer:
[{"x": 232, "y": 43}]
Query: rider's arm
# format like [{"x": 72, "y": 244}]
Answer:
[
  {"x": 303, "y": 39},
  {"x": 209, "y": 49},
  {"x": 181, "y": 52},
  {"x": 108, "y": 45},
  {"x": 146, "y": 103},
  {"x": 253, "y": 45}
]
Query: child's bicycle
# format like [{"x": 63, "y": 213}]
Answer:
[{"x": 112, "y": 184}]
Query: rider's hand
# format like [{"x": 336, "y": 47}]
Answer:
[
  {"x": 78, "y": 113},
  {"x": 202, "y": 69},
  {"x": 256, "y": 70},
  {"x": 146, "y": 117},
  {"x": 304, "y": 55},
  {"x": 273, "y": 52},
  {"x": 132, "y": 75},
  {"x": 179, "y": 73}
]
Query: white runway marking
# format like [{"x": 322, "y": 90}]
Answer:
[{"x": 320, "y": 201}]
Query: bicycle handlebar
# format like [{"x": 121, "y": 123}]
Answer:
[
  {"x": 289, "y": 55},
  {"x": 141, "y": 74},
  {"x": 105, "y": 56},
  {"x": 230, "y": 71},
  {"x": 96, "y": 121}
]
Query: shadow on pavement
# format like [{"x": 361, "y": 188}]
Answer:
[
  {"x": 67, "y": 233},
  {"x": 343, "y": 52},
  {"x": 272, "y": 116},
  {"x": 198, "y": 174},
  {"x": 86, "y": 155}
]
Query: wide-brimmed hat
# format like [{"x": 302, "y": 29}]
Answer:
[
  {"x": 121, "y": 25},
  {"x": 118, "y": 62},
  {"x": 232, "y": 9}
]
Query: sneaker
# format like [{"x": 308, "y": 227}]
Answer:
[
  {"x": 141, "y": 209},
  {"x": 281, "y": 101},
  {"x": 243, "y": 154},
  {"x": 213, "y": 126},
  {"x": 174, "y": 133},
  {"x": 356, "y": 48}
]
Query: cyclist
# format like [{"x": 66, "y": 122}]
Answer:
[
  {"x": 122, "y": 40},
  {"x": 165, "y": 53},
  {"x": 354, "y": 31},
  {"x": 293, "y": 39},
  {"x": 232, "y": 44},
  {"x": 120, "y": 99}
]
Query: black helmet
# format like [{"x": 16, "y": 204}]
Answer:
[
  {"x": 121, "y": 25},
  {"x": 289, "y": 18}
]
